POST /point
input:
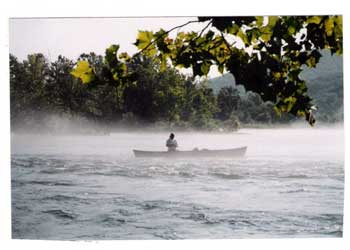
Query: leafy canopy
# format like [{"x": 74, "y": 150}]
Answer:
[
  {"x": 269, "y": 61},
  {"x": 273, "y": 52}
]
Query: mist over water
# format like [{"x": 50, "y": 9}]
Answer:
[{"x": 289, "y": 184}]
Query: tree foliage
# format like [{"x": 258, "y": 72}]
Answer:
[
  {"x": 154, "y": 97},
  {"x": 264, "y": 54},
  {"x": 40, "y": 88},
  {"x": 228, "y": 101},
  {"x": 274, "y": 50}
]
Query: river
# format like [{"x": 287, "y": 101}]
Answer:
[{"x": 290, "y": 184}]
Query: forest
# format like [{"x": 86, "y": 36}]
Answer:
[
  {"x": 44, "y": 92},
  {"x": 275, "y": 81}
]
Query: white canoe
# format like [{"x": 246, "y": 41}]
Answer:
[{"x": 227, "y": 153}]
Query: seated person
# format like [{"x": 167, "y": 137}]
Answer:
[{"x": 171, "y": 143}]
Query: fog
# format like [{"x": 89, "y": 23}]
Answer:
[
  {"x": 65, "y": 124},
  {"x": 270, "y": 142}
]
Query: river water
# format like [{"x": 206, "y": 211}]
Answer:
[{"x": 290, "y": 184}]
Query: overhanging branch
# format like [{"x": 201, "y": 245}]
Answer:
[{"x": 165, "y": 33}]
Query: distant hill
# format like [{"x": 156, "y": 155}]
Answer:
[
  {"x": 219, "y": 82},
  {"x": 226, "y": 80},
  {"x": 328, "y": 65},
  {"x": 325, "y": 86}
]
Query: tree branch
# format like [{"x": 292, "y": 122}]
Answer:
[
  {"x": 225, "y": 41},
  {"x": 200, "y": 34},
  {"x": 165, "y": 33}
]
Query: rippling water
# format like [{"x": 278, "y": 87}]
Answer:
[{"x": 290, "y": 184}]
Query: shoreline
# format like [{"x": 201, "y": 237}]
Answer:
[{"x": 155, "y": 130}]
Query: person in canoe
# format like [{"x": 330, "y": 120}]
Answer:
[{"x": 171, "y": 143}]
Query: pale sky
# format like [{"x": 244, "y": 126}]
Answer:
[{"x": 71, "y": 37}]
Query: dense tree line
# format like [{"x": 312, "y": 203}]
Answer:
[{"x": 153, "y": 97}]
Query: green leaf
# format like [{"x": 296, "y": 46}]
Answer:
[
  {"x": 339, "y": 51},
  {"x": 329, "y": 26},
  {"x": 272, "y": 21},
  {"x": 300, "y": 113},
  {"x": 123, "y": 69},
  {"x": 253, "y": 34},
  {"x": 290, "y": 101},
  {"x": 151, "y": 51},
  {"x": 181, "y": 35},
  {"x": 205, "y": 67},
  {"x": 124, "y": 56},
  {"x": 113, "y": 49},
  {"x": 221, "y": 68},
  {"x": 84, "y": 72},
  {"x": 314, "y": 19},
  {"x": 276, "y": 75},
  {"x": 201, "y": 68},
  {"x": 338, "y": 30},
  {"x": 278, "y": 111},
  {"x": 144, "y": 38},
  {"x": 311, "y": 62},
  {"x": 163, "y": 62},
  {"x": 115, "y": 76},
  {"x": 222, "y": 23},
  {"x": 291, "y": 30},
  {"x": 243, "y": 36},
  {"x": 266, "y": 33},
  {"x": 233, "y": 29},
  {"x": 111, "y": 55},
  {"x": 259, "y": 20},
  {"x": 339, "y": 20},
  {"x": 160, "y": 33},
  {"x": 209, "y": 36},
  {"x": 163, "y": 45}
]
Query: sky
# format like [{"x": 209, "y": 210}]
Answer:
[{"x": 71, "y": 37}]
